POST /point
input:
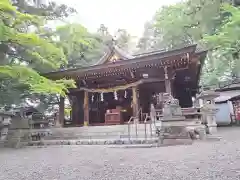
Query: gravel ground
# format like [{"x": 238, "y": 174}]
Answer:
[{"x": 202, "y": 160}]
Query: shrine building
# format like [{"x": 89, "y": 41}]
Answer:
[{"x": 120, "y": 86}]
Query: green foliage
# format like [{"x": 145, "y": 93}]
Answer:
[
  {"x": 29, "y": 49},
  {"x": 83, "y": 48},
  {"x": 212, "y": 24},
  {"x": 225, "y": 45},
  {"x": 11, "y": 91},
  {"x": 24, "y": 54},
  {"x": 169, "y": 17},
  {"x": 67, "y": 111},
  {"x": 78, "y": 44},
  {"x": 49, "y": 10},
  {"x": 122, "y": 39},
  {"x": 34, "y": 81}
]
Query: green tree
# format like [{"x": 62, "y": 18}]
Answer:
[
  {"x": 24, "y": 54},
  {"x": 123, "y": 39},
  {"x": 225, "y": 44},
  {"x": 49, "y": 10},
  {"x": 81, "y": 47},
  {"x": 203, "y": 22},
  {"x": 147, "y": 41}
]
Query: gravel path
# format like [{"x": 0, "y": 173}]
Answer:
[{"x": 202, "y": 160}]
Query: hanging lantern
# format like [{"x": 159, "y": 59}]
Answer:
[
  {"x": 92, "y": 97},
  {"x": 115, "y": 95},
  {"x": 101, "y": 96}
]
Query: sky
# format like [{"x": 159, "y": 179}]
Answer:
[{"x": 126, "y": 14}]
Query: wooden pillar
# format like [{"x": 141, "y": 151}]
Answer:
[
  {"x": 167, "y": 81},
  {"x": 61, "y": 112},
  {"x": 135, "y": 104},
  {"x": 74, "y": 110},
  {"x": 86, "y": 109}
]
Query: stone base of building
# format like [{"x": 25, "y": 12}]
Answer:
[
  {"x": 138, "y": 143},
  {"x": 108, "y": 135},
  {"x": 103, "y": 135},
  {"x": 152, "y": 142}
]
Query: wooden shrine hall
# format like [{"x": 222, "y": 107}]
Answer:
[{"x": 119, "y": 85}]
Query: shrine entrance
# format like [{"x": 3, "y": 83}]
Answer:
[{"x": 117, "y": 103}]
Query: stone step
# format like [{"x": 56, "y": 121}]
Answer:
[
  {"x": 101, "y": 132},
  {"x": 101, "y": 128},
  {"x": 211, "y": 137},
  {"x": 132, "y": 131},
  {"x": 99, "y": 136},
  {"x": 93, "y": 142},
  {"x": 97, "y": 130},
  {"x": 88, "y": 133},
  {"x": 132, "y": 142}
]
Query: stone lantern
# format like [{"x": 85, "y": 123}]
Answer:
[
  {"x": 209, "y": 110},
  {"x": 5, "y": 121}
]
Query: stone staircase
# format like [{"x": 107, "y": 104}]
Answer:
[
  {"x": 100, "y": 135},
  {"x": 106, "y": 135},
  {"x": 115, "y": 132}
]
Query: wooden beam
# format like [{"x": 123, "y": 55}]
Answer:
[
  {"x": 135, "y": 102},
  {"x": 148, "y": 80},
  {"x": 61, "y": 111},
  {"x": 167, "y": 81},
  {"x": 86, "y": 108}
]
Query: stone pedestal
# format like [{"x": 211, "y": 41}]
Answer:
[
  {"x": 4, "y": 128},
  {"x": 17, "y": 138},
  {"x": 209, "y": 110},
  {"x": 5, "y": 121},
  {"x": 174, "y": 124},
  {"x": 4, "y": 132},
  {"x": 211, "y": 121},
  {"x": 18, "y": 133}
]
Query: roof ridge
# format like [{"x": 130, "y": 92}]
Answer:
[{"x": 162, "y": 50}]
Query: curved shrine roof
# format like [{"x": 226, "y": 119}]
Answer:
[{"x": 116, "y": 58}]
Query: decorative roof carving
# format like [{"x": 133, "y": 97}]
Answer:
[
  {"x": 113, "y": 54},
  {"x": 160, "y": 58}
]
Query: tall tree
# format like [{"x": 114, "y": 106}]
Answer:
[
  {"x": 203, "y": 22},
  {"x": 48, "y": 9},
  {"x": 123, "y": 39},
  {"x": 225, "y": 44},
  {"x": 147, "y": 41},
  {"x": 24, "y": 54},
  {"x": 81, "y": 47},
  {"x": 104, "y": 34}
]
